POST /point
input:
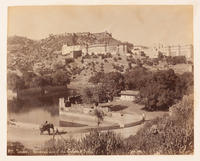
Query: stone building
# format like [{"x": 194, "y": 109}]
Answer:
[
  {"x": 72, "y": 51},
  {"x": 128, "y": 95},
  {"x": 107, "y": 48},
  {"x": 78, "y": 50},
  {"x": 170, "y": 50},
  {"x": 184, "y": 50}
]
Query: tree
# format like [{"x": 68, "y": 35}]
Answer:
[
  {"x": 187, "y": 82},
  {"x": 94, "y": 94},
  {"x": 176, "y": 60},
  {"x": 129, "y": 65},
  {"x": 58, "y": 65},
  {"x": 160, "y": 55},
  {"x": 163, "y": 89},
  {"x": 88, "y": 96},
  {"x": 136, "y": 78},
  {"x": 102, "y": 68},
  {"x": 60, "y": 78},
  {"x": 97, "y": 78},
  {"x": 71, "y": 60},
  {"x": 143, "y": 54},
  {"x": 37, "y": 81},
  {"x": 27, "y": 77},
  {"x": 113, "y": 83},
  {"x": 15, "y": 82}
]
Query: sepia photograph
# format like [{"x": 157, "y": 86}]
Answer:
[{"x": 100, "y": 80}]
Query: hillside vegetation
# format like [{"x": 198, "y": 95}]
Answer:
[
  {"x": 42, "y": 64},
  {"x": 23, "y": 53},
  {"x": 39, "y": 62}
]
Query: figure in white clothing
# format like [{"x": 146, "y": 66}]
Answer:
[{"x": 143, "y": 116}]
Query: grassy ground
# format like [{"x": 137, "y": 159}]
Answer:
[{"x": 136, "y": 109}]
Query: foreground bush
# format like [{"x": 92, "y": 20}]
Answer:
[
  {"x": 103, "y": 143},
  {"x": 171, "y": 134},
  {"x": 17, "y": 148},
  {"x": 94, "y": 143},
  {"x": 61, "y": 147}
]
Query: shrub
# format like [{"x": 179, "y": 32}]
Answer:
[
  {"x": 118, "y": 67},
  {"x": 149, "y": 63},
  {"x": 61, "y": 147},
  {"x": 60, "y": 78},
  {"x": 14, "y": 82},
  {"x": 176, "y": 60},
  {"x": 155, "y": 61},
  {"x": 87, "y": 56},
  {"x": 119, "y": 58},
  {"x": 95, "y": 56},
  {"x": 105, "y": 60},
  {"x": 129, "y": 65},
  {"x": 94, "y": 143},
  {"x": 103, "y": 143},
  {"x": 17, "y": 148},
  {"x": 133, "y": 61},
  {"x": 97, "y": 78},
  {"x": 69, "y": 60},
  {"x": 108, "y": 55},
  {"x": 160, "y": 55},
  {"x": 143, "y": 54},
  {"x": 167, "y": 135},
  {"x": 136, "y": 77},
  {"x": 138, "y": 62},
  {"x": 115, "y": 59}
]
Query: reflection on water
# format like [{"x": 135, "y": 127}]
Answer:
[
  {"x": 37, "y": 112},
  {"x": 33, "y": 111},
  {"x": 36, "y": 116}
]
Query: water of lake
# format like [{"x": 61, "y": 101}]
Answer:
[{"x": 35, "y": 116}]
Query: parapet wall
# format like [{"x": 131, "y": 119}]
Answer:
[
  {"x": 185, "y": 50},
  {"x": 104, "y": 48},
  {"x": 96, "y": 49}
]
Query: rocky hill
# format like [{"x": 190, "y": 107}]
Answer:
[{"x": 23, "y": 52}]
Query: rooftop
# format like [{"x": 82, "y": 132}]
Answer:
[{"x": 129, "y": 92}]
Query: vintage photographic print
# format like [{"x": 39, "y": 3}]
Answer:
[{"x": 100, "y": 80}]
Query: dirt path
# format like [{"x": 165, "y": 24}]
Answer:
[{"x": 29, "y": 134}]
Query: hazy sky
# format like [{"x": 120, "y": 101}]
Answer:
[{"x": 145, "y": 25}]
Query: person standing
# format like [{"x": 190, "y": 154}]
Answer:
[{"x": 143, "y": 116}]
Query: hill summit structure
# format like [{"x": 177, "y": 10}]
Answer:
[{"x": 103, "y": 43}]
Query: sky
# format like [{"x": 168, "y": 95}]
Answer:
[{"x": 140, "y": 25}]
